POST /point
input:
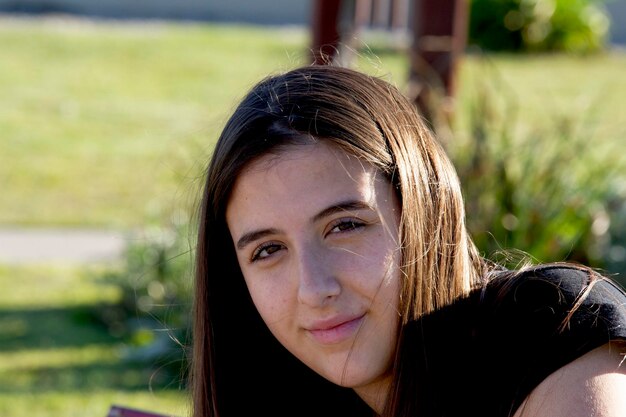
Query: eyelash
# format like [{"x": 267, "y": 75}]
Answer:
[
  {"x": 351, "y": 223},
  {"x": 256, "y": 255}
]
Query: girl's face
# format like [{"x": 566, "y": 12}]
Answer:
[{"x": 316, "y": 236}]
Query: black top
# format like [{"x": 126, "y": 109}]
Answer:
[{"x": 485, "y": 354}]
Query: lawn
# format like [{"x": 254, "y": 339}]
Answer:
[
  {"x": 103, "y": 124},
  {"x": 56, "y": 361},
  {"x": 110, "y": 124}
]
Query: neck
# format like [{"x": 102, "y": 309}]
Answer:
[{"x": 375, "y": 394}]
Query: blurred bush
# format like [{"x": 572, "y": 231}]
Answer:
[
  {"x": 551, "y": 193},
  {"x": 538, "y": 25},
  {"x": 153, "y": 314}
]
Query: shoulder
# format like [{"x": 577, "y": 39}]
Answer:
[
  {"x": 547, "y": 322},
  {"x": 559, "y": 297},
  {"x": 592, "y": 385},
  {"x": 566, "y": 280}
]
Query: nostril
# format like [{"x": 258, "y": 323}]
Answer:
[{"x": 318, "y": 290}]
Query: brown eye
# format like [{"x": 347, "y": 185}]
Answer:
[
  {"x": 265, "y": 250},
  {"x": 346, "y": 225}
]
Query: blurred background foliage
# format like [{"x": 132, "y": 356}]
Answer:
[
  {"x": 122, "y": 120},
  {"x": 152, "y": 313},
  {"x": 548, "y": 192},
  {"x": 538, "y": 25}
]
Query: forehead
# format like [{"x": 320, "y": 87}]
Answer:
[
  {"x": 320, "y": 150},
  {"x": 301, "y": 176},
  {"x": 297, "y": 155}
]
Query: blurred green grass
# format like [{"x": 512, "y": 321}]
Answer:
[
  {"x": 101, "y": 123},
  {"x": 55, "y": 360},
  {"x": 542, "y": 88},
  {"x": 109, "y": 124}
]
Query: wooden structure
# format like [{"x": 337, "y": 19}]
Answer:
[{"x": 439, "y": 29}]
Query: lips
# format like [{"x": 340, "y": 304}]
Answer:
[{"x": 333, "y": 331}]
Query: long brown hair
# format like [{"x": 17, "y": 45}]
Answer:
[{"x": 234, "y": 354}]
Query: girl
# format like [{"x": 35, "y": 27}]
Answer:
[{"x": 335, "y": 276}]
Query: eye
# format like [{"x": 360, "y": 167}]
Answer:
[
  {"x": 346, "y": 225},
  {"x": 265, "y": 250}
]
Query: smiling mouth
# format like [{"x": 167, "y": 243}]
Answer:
[{"x": 338, "y": 333}]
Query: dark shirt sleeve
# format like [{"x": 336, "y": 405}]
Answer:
[
  {"x": 542, "y": 319},
  {"x": 483, "y": 355}
]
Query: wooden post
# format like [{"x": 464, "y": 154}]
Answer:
[
  {"x": 439, "y": 38},
  {"x": 325, "y": 30}
]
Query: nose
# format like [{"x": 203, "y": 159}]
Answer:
[{"x": 317, "y": 279}]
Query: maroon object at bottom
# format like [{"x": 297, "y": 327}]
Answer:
[{"x": 118, "y": 411}]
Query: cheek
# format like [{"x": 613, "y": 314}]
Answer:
[
  {"x": 381, "y": 278},
  {"x": 267, "y": 296},
  {"x": 376, "y": 261},
  {"x": 272, "y": 301}
]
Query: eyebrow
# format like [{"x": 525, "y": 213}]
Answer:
[
  {"x": 252, "y": 236},
  {"x": 350, "y": 205}
]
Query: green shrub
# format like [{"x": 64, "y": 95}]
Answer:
[
  {"x": 555, "y": 193},
  {"x": 538, "y": 25},
  {"x": 153, "y": 314}
]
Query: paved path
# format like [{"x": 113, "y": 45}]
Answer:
[{"x": 30, "y": 246}]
